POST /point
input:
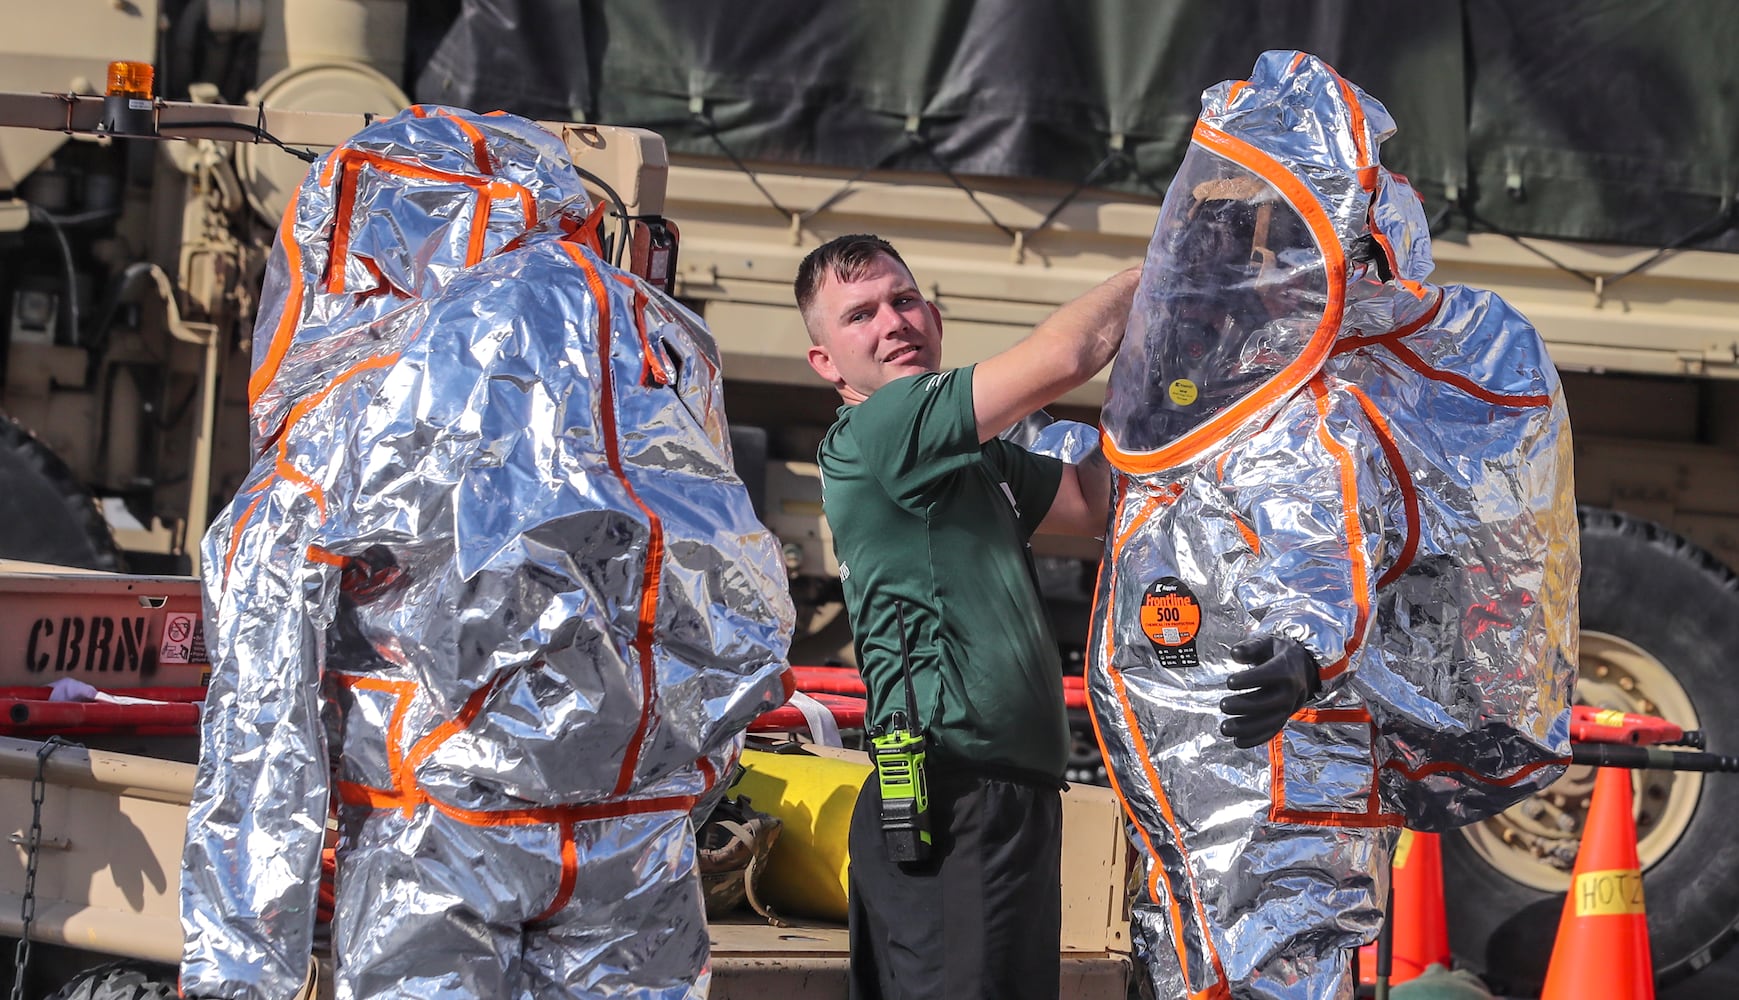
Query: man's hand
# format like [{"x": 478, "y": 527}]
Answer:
[{"x": 1283, "y": 679}]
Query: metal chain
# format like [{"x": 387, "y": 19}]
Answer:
[
  {"x": 32, "y": 847},
  {"x": 1722, "y": 220},
  {"x": 919, "y": 139},
  {"x": 705, "y": 121},
  {"x": 912, "y": 137}
]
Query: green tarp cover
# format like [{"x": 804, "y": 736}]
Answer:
[{"x": 1605, "y": 120}]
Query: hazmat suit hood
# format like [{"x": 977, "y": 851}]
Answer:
[
  {"x": 357, "y": 242},
  {"x": 1246, "y": 284}
]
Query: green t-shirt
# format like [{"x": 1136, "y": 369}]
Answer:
[{"x": 923, "y": 514}]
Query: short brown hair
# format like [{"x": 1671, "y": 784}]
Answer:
[{"x": 847, "y": 258}]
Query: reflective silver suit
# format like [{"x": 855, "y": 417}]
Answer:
[
  {"x": 1311, "y": 442},
  {"x": 491, "y": 594}
]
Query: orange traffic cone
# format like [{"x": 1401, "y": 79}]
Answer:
[
  {"x": 1420, "y": 929},
  {"x": 1602, "y": 946}
]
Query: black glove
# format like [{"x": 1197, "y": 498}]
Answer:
[{"x": 1283, "y": 679}]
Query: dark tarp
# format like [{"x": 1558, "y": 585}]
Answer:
[{"x": 1605, "y": 120}]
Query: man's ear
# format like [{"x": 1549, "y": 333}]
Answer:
[
  {"x": 823, "y": 364},
  {"x": 936, "y": 314}
]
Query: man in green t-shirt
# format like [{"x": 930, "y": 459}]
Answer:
[{"x": 931, "y": 513}]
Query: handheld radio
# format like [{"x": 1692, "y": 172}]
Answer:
[{"x": 898, "y": 752}]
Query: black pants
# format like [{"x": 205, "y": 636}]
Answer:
[{"x": 982, "y": 916}]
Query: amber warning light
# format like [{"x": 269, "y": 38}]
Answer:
[
  {"x": 130, "y": 79},
  {"x": 127, "y": 105}
]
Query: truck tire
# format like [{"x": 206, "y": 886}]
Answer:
[
  {"x": 1661, "y": 617},
  {"x": 46, "y": 516},
  {"x": 120, "y": 981}
]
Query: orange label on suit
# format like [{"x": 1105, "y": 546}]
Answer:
[
  {"x": 1170, "y": 618},
  {"x": 1612, "y": 893}
]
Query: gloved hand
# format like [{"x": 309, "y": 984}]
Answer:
[{"x": 1283, "y": 679}]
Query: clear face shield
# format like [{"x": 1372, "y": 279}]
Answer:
[{"x": 1233, "y": 290}]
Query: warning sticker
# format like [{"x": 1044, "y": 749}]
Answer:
[
  {"x": 1170, "y": 618},
  {"x": 1611, "y": 893},
  {"x": 183, "y": 639},
  {"x": 1182, "y": 391}
]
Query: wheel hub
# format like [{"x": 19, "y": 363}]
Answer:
[{"x": 1534, "y": 841}]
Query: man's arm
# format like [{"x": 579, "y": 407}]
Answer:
[
  {"x": 1083, "y": 499},
  {"x": 1063, "y": 352}
]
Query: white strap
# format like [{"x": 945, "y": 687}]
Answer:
[
  {"x": 822, "y": 725},
  {"x": 73, "y": 689}
]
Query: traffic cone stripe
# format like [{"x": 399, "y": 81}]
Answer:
[
  {"x": 1403, "y": 848},
  {"x": 1615, "y": 893}
]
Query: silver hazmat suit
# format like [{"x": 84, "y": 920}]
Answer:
[
  {"x": 491, "y": 595},
  {"x": 1310, "y": 441}
]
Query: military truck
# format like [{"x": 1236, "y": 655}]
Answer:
[{"x": 1016, "y": 154}]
